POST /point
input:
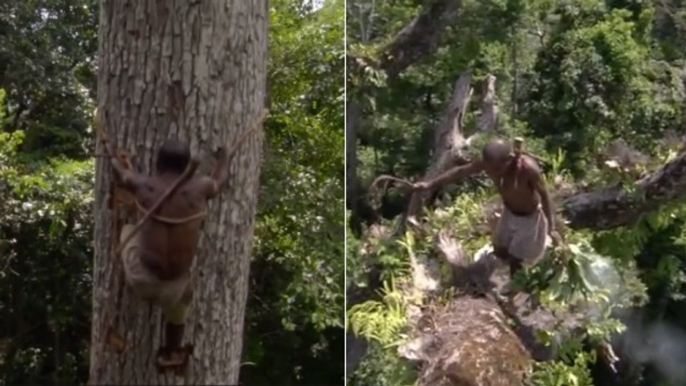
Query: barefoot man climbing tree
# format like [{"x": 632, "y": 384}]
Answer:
[{"x": 177, "y": 82}]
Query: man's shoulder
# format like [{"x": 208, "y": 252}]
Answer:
[
  {"x": 204, "y": 185},
  {"x": 529, "y": 166},
  {"x": 476, "y": 164}
]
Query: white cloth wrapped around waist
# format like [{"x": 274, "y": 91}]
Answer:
[{"x": 523, "y": 237}]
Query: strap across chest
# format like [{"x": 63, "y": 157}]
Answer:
[{"x": 172, "y": 221}]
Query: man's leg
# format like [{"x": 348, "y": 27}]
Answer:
[
  {"x": 515, "y": 265},
  {"x": 528, "y": 243},
  {"x": 502, "y": 238},
  {"x": 172, "y": 354}
]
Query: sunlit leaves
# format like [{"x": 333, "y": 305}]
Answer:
[
  {"x": 383, "y": 320},
  {"x": 593, "y": 83},
  {"x": 554, "y": 373},
  {"x": 297, "y": 275},
  {"x": 300, "y": 224},
  {"x": 47, "y": 56},
  {"x": 45, "y": 251}
]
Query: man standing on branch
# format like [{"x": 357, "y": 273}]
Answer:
[{"x": 527, "y": 216}]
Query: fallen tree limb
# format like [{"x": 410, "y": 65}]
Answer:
[
  {"x": 615, "y": 207},
  {"x": 470, "y": 343},
  {"x": 449, "y": 144}
]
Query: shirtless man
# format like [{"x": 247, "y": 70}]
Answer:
[
  {"x": 527, "y": 217},
  {"x": 157, "y": 260}
]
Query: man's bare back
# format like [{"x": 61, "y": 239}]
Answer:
[{"x": 168, "y": 239}]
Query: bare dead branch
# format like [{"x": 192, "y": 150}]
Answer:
[{"x": 420, "y": 37}]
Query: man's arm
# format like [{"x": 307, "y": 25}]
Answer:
[
  {"x": 129, "y": 178},
  {"x": 536, "y": 179},
  {"x": 451, "y": 175}
]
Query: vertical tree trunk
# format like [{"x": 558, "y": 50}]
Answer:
[
  {"x": 353, "y": 116},
  {"x": 194, "y": 70}
]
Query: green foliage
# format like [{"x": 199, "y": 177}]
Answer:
[
  {"x": 566, "y": 275},
  {"x": 594, "y": 80},
  {"x": 45, "y": 245},
  {"x": 383, "y": 323},
  {"x": 555, "y": 373},
  {"x": 47, "y": 67},
  {"x": 382, "y": 320},
  {"x": 382, "y": 367},
  {"x": 297, "y": 276}
]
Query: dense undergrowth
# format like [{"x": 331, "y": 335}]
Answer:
[
  {"x": 596, "y": 88},
  {"x": 599, "y": 279}
]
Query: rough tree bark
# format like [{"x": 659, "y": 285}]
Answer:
[
  {"x": 353, "y": 112},
  {"x": 195, "y": 71}
]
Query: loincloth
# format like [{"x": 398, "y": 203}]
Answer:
[
  {"x": 173, "y": 296},
  {"x": 524, "y": 237}
]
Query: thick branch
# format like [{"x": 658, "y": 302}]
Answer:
[
  {"x": 489, "y": 108},
  {"x": 615, "y": 207},
  {"x": 449, "y": 141},
  {"x": 416, "y": 40},
  {"x": 420, "y": 37}
]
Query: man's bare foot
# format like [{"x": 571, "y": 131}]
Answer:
[
  {"x": 176, "y": 360},
  {"x": 115, "y": 341},
  {"x": 162, "y": 353}
]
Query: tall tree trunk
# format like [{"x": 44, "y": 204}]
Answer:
[
  {"x": 353, "y": 112},
  {"x": 193, "y": 70}
]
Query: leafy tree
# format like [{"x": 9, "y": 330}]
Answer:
[
  {"x": 47, "y": 70},
  {"x": 45, "y": 244}
]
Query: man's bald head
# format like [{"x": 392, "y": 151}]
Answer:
[
  {"x": 173, "y": 156},
  {"x": 496, "y": 153}
]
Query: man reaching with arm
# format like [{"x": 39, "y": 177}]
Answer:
[
  {"x": 158, "y": 259},
  {"x": 527, "y": 216}
]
